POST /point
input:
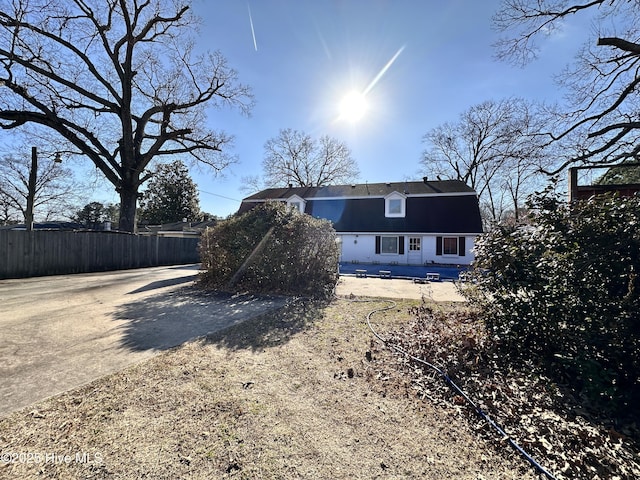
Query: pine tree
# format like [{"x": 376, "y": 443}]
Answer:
[{"x": 171, "y": 196}]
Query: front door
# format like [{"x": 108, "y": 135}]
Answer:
[{"x": 414, "y": 257}]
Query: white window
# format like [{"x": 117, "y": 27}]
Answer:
[
  {"x": 389, "y": 245},
  {"x": 414, "y": 244},
  {"x": 394, "y": 205},
  {"x": 296, "y": 203},
  {"x": 450, "y": 245}
]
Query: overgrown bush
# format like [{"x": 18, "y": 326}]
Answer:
[
  {"x": 564, "y": 291},
  {"x": 271, "y": 249}
]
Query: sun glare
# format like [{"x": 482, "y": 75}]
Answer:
[{"x": 353, "y": 107}]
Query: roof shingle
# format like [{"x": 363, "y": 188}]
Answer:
[{"x": 365, "y": 190}]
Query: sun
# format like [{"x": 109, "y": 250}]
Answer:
[{"x": 353, "y": 106}]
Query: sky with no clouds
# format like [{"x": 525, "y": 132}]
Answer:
[{"x": 419, "y": 63}]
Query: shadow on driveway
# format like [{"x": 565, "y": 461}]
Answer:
[
  {"x": 163, "y": 283},
  {"x": 168, "y": 320}
]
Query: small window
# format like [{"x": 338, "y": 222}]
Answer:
[
  {"x": 414, "y": 244},
  {"x": 450, "y": 245},
  {"x": 389, "y": 245},
  {"x": 394, "y": 205},
  {"x": 296, "y": 203}
]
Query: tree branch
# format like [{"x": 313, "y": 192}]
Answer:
[{"x": 620, "y": 44}]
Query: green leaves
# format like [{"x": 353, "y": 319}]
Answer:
[
  {"x": 563, "y": 291},
  {"x": 171, "y": 196}
]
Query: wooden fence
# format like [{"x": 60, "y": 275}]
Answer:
[{"x": 37, "y": 253}]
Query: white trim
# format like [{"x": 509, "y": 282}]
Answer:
[
  {"x": 457, "y": 243},
  {"x": 403, "y": 205},
  {"x": 413, "y": 234},
  {"x": 408, "y": 195},
  {"x": 296, "y": 199},
  {"x": 362, "y": 197},
  {"x": 397, "y": 239}
]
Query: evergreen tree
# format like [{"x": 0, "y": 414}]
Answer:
[
  {"x": 170, "y": 196},
  {"x": 95, "y": 213}
]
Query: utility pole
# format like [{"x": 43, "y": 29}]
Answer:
[
  {"x": 32, "y": 185},
  {"x": 31, "y": 189}
]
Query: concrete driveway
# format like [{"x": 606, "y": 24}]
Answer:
[{"x": 60, "y": 332}]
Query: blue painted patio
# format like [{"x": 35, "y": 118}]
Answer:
[{"x": 447, "y": 272}]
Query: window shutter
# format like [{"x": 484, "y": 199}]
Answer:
[
  {"x": 461, "y": 247},
  {"x": 377, "y": 244},
  {"x": 438, "y": 245},
  {"x": 401, "y": 245}
]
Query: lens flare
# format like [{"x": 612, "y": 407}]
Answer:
[{"x": 353, "y": 106}]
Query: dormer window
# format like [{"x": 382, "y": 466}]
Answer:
[
  {"x": 394, "y": 205},
  {"x": 296, "y": 203}
]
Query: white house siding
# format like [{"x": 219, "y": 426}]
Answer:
[
  {"x": 429, "y": 250},
  {"x": 358, "y": 248},
  {"x": 361, "y": 248}
]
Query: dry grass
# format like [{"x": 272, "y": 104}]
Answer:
[
  {"x": 301, "y": 393},
  {"x": 563, "y": 432}
]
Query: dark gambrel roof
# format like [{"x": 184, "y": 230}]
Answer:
[
  {"x": 365, "y": 190},
  {"x": 441, "y": 214},
  {"x": 447, "y": 206}
]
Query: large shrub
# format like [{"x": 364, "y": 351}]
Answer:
[
  {"x": 271, "y": 249},
  {"x": 564, "y": 291}
]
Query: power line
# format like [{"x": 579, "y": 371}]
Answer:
[{"x": 221, "y": 196}]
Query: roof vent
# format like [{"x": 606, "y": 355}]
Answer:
[
  {"x": 353, "y": 185},
  {"x": 291, "y": 185},
  {"x": 425, "y": 179}
]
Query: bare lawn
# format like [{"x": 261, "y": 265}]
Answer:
[{"x": 305, "y": 392}]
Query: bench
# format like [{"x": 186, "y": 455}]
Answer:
[
  {"x": 385, "y": 273},
  {"x": 433, "y": 277},
  {"x": 361, "y": 273}
]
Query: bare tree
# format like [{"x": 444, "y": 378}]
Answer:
[
  {"x": 494, "y": 148},
  {"x": 118, "y": 81},
  {"x": 293, "y": 157},
  {"x": 601, "y": 122},
  {"x": 54, "y": 194}
]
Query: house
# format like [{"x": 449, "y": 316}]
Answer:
[
  {"x": 584, "y": 192},
  {"x": 182, "y": 229},
  {"x": 51, "y": 225},
  {"x": 412, "y": 223}
]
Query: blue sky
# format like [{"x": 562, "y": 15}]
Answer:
[
  {"x": 303, "y": 56},
  {"x": 308, "y": 54}
]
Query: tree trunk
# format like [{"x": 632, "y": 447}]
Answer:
[
  {"x": 31, "y": 189},
  {"x": 128, "y": 204}
]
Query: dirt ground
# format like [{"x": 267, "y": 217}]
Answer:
[
  {"x": 302, "y": 393},
  {"x": 444, "y": 291}
]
